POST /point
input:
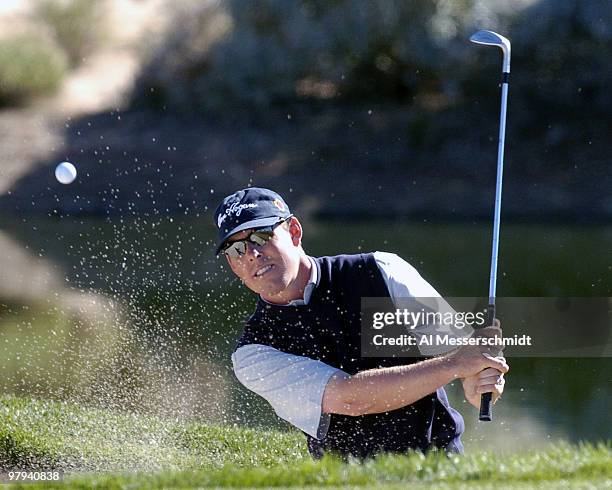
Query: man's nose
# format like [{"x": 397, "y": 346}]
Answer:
[{"x": 253, "y": 250}]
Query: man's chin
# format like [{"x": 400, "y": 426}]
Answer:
[{"x": 273, "y": 291}]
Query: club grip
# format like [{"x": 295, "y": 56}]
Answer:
[{"x": 485, "y": 414}]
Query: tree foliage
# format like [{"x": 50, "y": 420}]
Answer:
[{"x": 254, "y": 55}]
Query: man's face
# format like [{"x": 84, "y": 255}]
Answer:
[{"x": 271, "y": 268}]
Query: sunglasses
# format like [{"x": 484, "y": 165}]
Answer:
[{"x": 260, "y": 237}]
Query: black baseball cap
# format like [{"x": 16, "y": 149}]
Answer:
[{"x": 253, "y": 207}]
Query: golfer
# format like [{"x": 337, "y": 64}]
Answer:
[{"x": 301, "y": 350}]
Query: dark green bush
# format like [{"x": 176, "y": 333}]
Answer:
[{"x": 29, "y": 67}]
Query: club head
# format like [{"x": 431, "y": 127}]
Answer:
[{"x": 491, "y": 38}]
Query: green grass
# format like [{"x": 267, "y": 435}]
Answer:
[{"x": 104, "y": 449}]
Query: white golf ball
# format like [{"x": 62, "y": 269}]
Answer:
[{"x": 65, "y": 173}]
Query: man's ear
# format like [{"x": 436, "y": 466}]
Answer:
[{"x": 295, "y": 231}]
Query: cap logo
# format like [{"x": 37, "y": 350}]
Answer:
[
  {"x": 235, "y": 208},
  {"x": 279, "y": 204}
]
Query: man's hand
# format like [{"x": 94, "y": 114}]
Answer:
[
  {"x": 488, "y": 381},
  {"x": 470, "y": 360}
]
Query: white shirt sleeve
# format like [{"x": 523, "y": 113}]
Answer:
[
  {"x": 293, "y": 385},
  {"x": 403, "y": 280},
  {"x": 409, "y": 290}
]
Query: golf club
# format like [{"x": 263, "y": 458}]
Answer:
[{"x": 491, "y": 38}]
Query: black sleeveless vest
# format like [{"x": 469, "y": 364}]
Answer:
[{"x": 329, "y": 329}]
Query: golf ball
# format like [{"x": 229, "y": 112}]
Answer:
[{"x": 65, "y": 173}]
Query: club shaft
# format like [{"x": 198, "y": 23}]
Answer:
[
  {"x": 498, "y": 194},
  {"x": 486, "y": 399}
]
